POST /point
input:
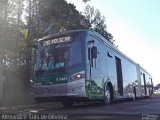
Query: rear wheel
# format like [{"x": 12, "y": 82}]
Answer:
[
  {"x": 150, "y": 94},
  {"x": 67, "y": 104},
  {"x": 134, "y": 94},
  {"x": 107, "y": 96}
]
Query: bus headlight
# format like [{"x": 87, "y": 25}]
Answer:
[{"x": 77, "y": 76}]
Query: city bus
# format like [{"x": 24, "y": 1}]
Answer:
[{"x": 82, "y": 66}]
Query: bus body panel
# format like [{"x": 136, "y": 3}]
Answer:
[
  {"x": 96, "y": 75},
  {"x": 105, "y": 71}
]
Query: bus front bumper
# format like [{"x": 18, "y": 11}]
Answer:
[{"x": 69, "y": 89}]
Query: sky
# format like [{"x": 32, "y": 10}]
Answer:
[{"x": 135, "y": 26}]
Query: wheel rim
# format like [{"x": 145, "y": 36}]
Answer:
[{"x": 107, "y": 96}]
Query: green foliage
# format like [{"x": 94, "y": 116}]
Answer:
[
  {"x": 10, "y": 34},
  {"x": 85, "y": 1},
  {"x": 95, "y": 21},
  {"x": 60, "y": 15}
]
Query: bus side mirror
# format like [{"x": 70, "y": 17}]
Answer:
[{"x": 94, "y": 52}]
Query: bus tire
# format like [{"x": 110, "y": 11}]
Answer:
[
  {"x": 134, "y": 94},
  {"x": 67, "y": 104},
  {"x": 150, "y": 94},
  {"x": 107, "y": 96}
]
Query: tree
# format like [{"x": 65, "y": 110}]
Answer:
[
  {"x": 95, "y": 21},
  {"x": 10, "y": 34},
  {"x": 85, "y": 1},
  {"x": 58, "y": 16}
]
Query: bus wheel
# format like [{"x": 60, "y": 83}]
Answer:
[
  {"x": 107, "y": 96},
  {"x": 150, "y": 94},
  {"x": 67, "y": 104},
  {"x": 134, "y": 94}
]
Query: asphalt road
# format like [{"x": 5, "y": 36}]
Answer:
[{"x": 141, "y": 109}]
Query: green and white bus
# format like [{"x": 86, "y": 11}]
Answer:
[{"x": 82, "y": 66}]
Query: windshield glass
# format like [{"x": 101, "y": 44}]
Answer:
[{"x": 59, "y": 52}]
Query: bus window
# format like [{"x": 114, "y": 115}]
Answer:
[{"x": 59, "y": 53}]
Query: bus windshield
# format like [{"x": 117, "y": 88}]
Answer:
[{"x": 57, "y": 53}]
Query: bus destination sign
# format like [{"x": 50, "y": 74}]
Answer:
[{"x": 57, "y": 40}]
